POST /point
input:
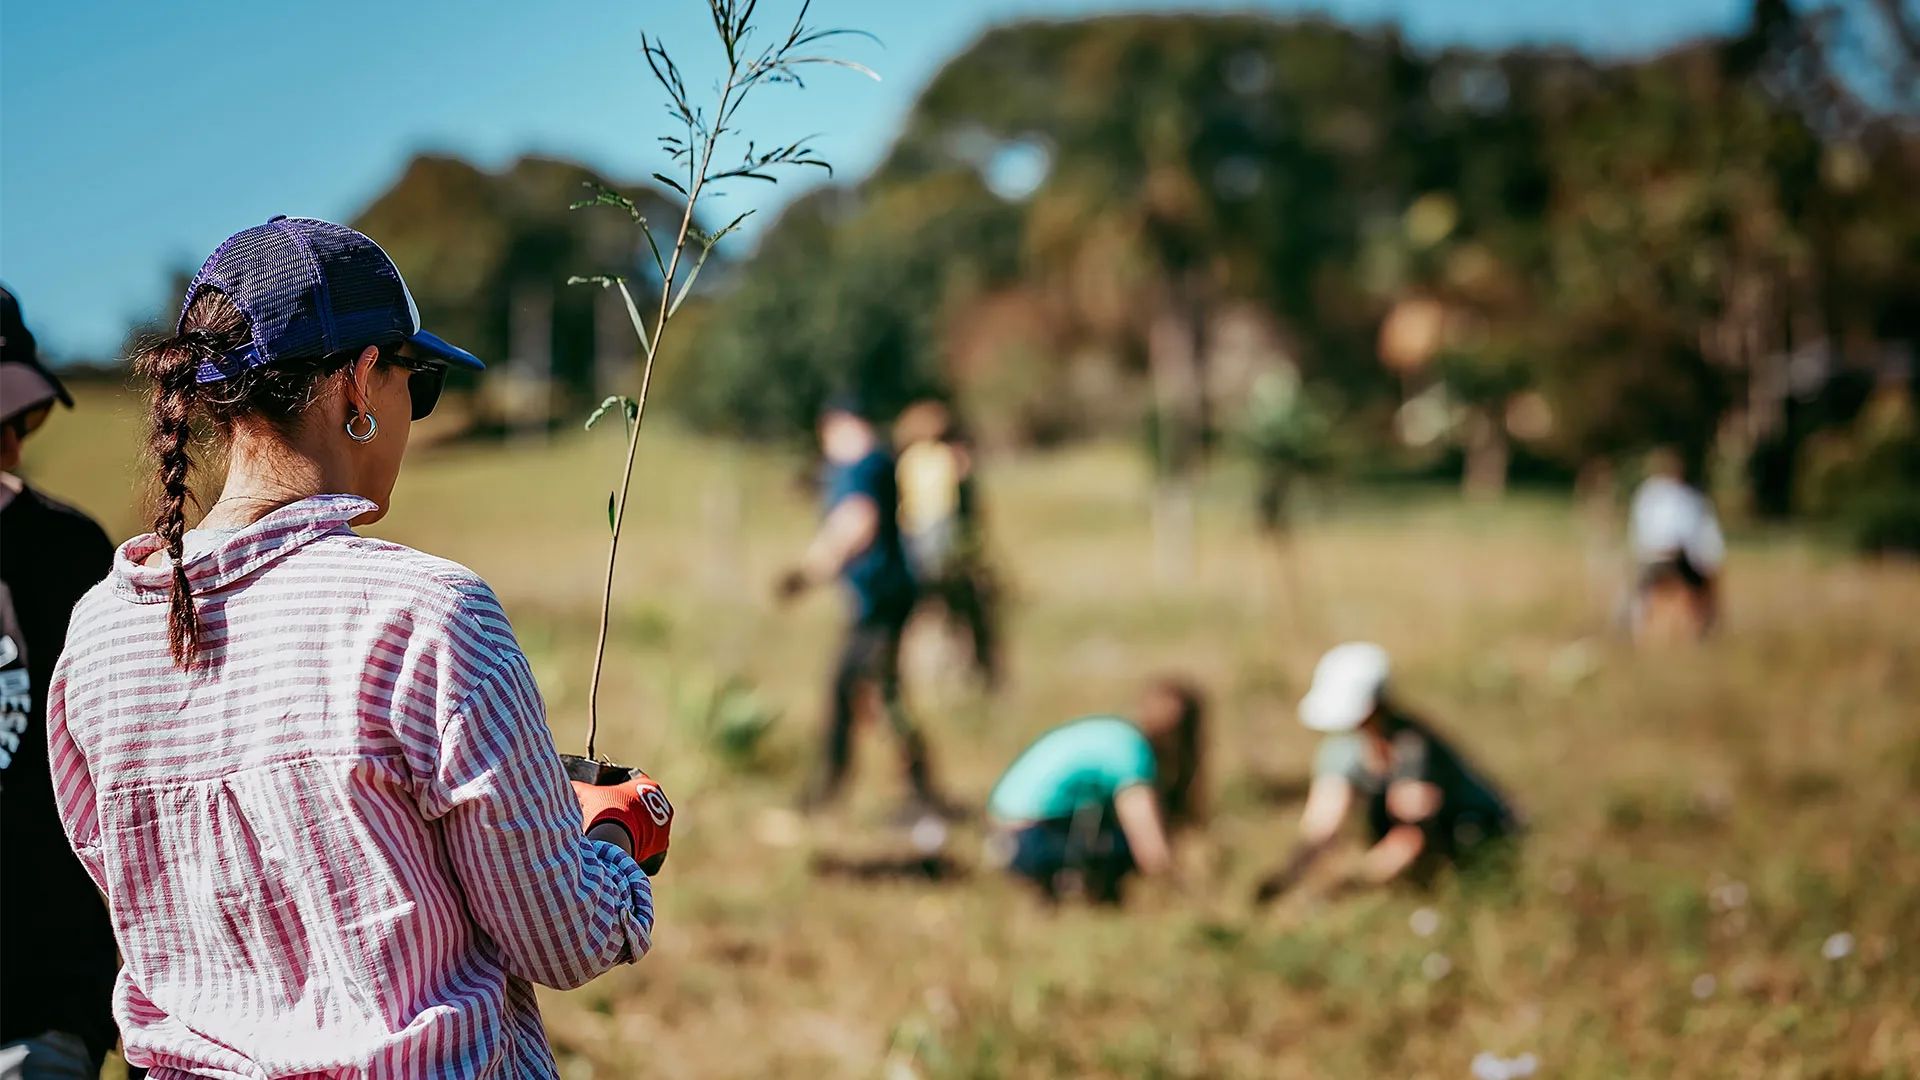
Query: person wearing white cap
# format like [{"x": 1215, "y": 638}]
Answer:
[
  {"x": 1425, "y": 805},
  {"x": 56, "y": 985},
  {"x": 1677, "y": 547}
]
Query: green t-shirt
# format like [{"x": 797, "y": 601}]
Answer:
[{"x": 1080, "y": 763}]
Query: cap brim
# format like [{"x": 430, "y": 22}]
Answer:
[
  {"x": 1333, "y": 713},
  {"x": 28, "y": 386},
  {"x": 432, "y": 347}
]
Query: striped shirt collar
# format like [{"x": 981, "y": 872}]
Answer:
[{"x": 279, "y": 533}]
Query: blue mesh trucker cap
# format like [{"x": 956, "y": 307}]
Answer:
[{"x": 310, "y": 288}]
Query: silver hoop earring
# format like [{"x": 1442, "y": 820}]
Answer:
[{"x": 373, "y": 428}]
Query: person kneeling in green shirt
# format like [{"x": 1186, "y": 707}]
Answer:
[
  {"x": 1093, "y": 800},
  {"x": 1426, "y": 807}
]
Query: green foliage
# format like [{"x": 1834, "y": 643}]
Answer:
[
  {"x": 629, "y": 409},
  {"x": 469, "y": 240},
  {"x": 1627, "y": 239},
  {"x": 1290, "y": 425},
  {"x": 847, "y": 291},
  {"x": 1866, "y": 476},
  {"x": 726, "y": 716}
]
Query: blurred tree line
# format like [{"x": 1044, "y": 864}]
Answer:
[
  {"x": 1313, "y": 244},
  {"x": 487, "y": 256},
  {"x": 1124, "y": 223}
]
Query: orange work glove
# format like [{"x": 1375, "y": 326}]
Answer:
[{"x": 639, "y": 807}]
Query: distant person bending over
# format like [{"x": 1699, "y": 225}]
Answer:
[
  {"x": 859, "y": 543},
  {"x": 1675, "y": 539},
  {"x": 1095, "y": 799},
  {"x": 57, "y": 957},
  {"x": 309, "y": 769},
  {"x": 1425, "y": 806},
  {"x": 940, "y": 524}
]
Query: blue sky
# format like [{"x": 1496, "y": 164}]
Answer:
[{"x": 134, "y": 136}]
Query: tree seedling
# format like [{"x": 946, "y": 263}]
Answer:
[{"x": 702, "y": 154}]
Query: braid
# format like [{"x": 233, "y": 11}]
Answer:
[
  {"x": 171, "y": 367},
  {"x": 213, "y": 325},
  {"x": 172, "y": 442}
]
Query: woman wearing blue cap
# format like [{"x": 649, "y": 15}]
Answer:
[
  {"x": 310, "y": 770},
  {"x": 1426, "y": 806}
]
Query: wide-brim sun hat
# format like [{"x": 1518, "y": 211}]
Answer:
[
  {"x": 310, "y": 288},
  {"x": 1347, "y": 684}
]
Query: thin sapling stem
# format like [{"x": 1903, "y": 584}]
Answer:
[{"x": 695, "y": 153}]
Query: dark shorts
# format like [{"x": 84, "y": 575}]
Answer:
[
  {"x": 1086, "y": 854},
  {"x": 1676, "y": 568}
]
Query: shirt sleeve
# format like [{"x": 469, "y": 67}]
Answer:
[
  {"x": 871, "y": 477},
  {"x": 560, "y": 909},
  {"x": 1706, "y": 547},
  {"x": 1339, "y": 755},
  {"x": 842, "y": 483},
  {"x": 1131, "y": 763},
  {"x": 74, "y": 793}
]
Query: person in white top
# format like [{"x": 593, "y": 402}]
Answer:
[{"x": 1676, "y": 543}]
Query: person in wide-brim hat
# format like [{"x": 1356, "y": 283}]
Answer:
[{"x": 1426, "y": 806}]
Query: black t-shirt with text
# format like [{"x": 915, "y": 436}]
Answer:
[{"x": 57, "y": 958}]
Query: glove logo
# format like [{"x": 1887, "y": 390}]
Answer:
[{"x": 658, "y": 808}]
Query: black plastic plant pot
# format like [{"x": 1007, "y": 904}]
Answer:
[
  {"x": 597, "y": 773},
  {"x": 607, "y": 774}
]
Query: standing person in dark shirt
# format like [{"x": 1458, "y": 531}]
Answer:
[
  {"x": 1426, "y": 806},
  {"x": 859, "y": 542},
  {"x": 57, "y": 958}
]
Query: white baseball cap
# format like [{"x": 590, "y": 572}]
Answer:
[{"x": 1347, "y": 684}]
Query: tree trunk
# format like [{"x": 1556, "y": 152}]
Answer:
[
  {"x": 530, "y": 366},
  {"x": 1179, "y": 390},
  {"x": 1488, "y": 453}
]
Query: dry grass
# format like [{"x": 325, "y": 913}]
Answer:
[{"x": 1784, "y": 757}]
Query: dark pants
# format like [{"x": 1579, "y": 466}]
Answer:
[
  {"x": 952, "y": 573},
  {"x": 1086, "y": 853},
  {"x": 1679, "y": 569},
  {"x": 52, "y": 1055},
  {"x": 967, "y": 595},
  {"x": 870, "y": 658}
]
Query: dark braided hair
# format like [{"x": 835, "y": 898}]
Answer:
[
  {"x": 276, "y": 394},
  {"x": 1186, "y": 736}
]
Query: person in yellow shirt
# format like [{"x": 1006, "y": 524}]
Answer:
[{"x": 939, "y": 523}]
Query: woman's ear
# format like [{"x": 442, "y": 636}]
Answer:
[{"x": 360, "y": 380}]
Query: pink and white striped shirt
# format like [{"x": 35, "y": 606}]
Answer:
[{"x": 342, "y": 845}]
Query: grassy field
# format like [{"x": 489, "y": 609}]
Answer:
[{"x": 1706, "y": 821}]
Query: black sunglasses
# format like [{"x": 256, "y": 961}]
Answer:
[{"x": 424, "y": 380}]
